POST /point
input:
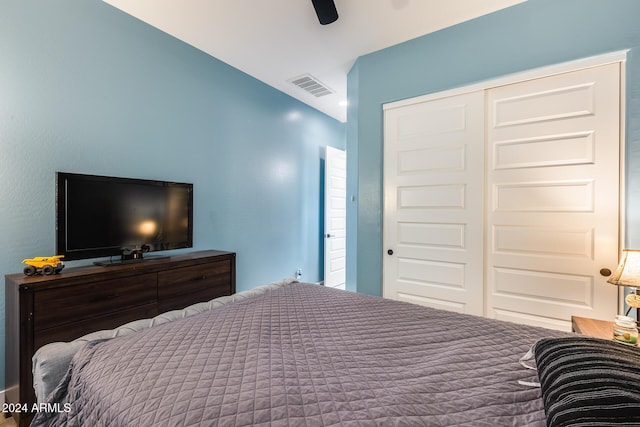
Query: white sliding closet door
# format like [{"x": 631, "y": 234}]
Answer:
[
  {"x": 505, "y": 201},
  {"x": 433, "y": 174},
  {"x": 553, "y": 197}
]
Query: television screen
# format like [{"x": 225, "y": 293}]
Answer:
[{"x": 105, "y": 216}]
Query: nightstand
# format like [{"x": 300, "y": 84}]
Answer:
[{"x": 592, "y": 327}]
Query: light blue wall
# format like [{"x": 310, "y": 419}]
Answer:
[
  {"x": 529, "y": 35},
  {"x": 86, "y": 88},
  {"x": 352, "y": 184}
]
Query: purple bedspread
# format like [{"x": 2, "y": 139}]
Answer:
[{"x": 305, "y": 355}]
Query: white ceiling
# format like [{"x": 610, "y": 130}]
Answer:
[{"x": 278, "y": 40}]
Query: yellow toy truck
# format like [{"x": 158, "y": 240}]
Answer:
[{"x": 46, "y": 265}]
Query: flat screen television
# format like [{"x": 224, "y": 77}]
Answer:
[{"x": 100, "y": 216}]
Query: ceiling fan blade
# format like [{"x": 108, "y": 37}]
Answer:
[{"x": 326, "y": 11}]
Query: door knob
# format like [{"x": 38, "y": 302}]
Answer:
[
  {"x": 330, "y": 235},
  {"x": 605, "y": 272},
  {"x": 390, "y": 252}
]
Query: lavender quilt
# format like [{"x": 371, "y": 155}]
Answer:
[{"x": 305, "y": 355}]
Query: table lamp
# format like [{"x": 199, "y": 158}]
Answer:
[{"x": 628, "y": 274}]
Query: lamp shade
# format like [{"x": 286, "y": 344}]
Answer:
[{"x": 628, "y": 271}]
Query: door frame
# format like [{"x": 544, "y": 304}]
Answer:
[{"x": 536, "y": 73}]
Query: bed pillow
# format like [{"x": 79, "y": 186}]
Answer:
[{"x": 589, "y": 382}]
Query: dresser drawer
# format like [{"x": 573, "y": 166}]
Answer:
[
  {"x": 75, "y": 330},
  {"x": 71, "y": 304},
  {"x": 180, "y": 287}
]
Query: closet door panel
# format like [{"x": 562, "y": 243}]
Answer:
[
  {"x": 432, "y": 229},
  {"x": 553, "y": 197}
]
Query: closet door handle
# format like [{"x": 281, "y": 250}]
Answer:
[
  {"x": 390, "y": 252},
  {"x": 605, "y": 272}
]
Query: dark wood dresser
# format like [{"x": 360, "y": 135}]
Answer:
[{"x": 44, "y": 309}]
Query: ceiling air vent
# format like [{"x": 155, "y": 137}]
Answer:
[{"x": 311, "y": 85}]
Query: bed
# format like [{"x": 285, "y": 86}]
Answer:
[{"x": 302, "y": 354}]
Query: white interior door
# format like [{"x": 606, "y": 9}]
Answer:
[
  {"x": 335, "y": 217},
  {"x": 433, "y": 198},
  {"x": 553, "y": 197}
]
